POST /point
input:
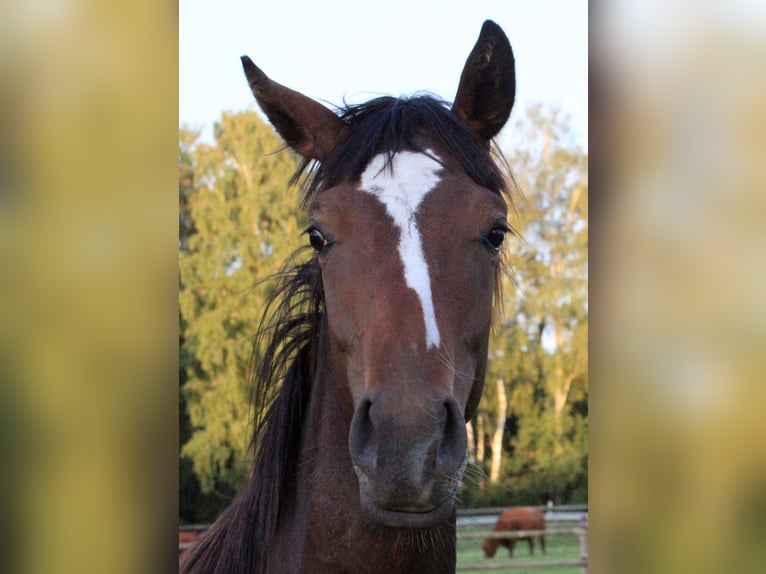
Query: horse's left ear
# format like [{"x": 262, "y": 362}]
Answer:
[
  {"x": 488, "y": 83},
  {"x": 307, "y": 126}
]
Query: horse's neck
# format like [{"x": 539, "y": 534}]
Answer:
[
  {"x": 324, "y": 525},
  {"x": 321, "y": 515}
]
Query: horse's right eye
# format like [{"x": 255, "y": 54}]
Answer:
[
  {"x": 316, "y": 239},
  {"x": 496, "y": 236}
]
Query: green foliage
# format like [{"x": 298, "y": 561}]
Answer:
[
  {"x": 540, "y": 348},
  {"x": 238, "y": 223}
]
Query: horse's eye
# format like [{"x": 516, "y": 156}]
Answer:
[
  {"x": 495, "y": 237},
  {"x": 316, "y": 239}
]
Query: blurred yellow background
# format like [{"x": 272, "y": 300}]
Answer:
[
  {"x": 88, "y": 259},
  {"x": 678, "y": 456}
]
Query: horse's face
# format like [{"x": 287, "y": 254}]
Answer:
[{"x": 408, "y": 256}]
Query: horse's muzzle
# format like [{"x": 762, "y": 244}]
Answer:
[{"x": 408, "y": 459}]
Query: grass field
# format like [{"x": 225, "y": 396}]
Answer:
[{"x": 564, "y": 547}]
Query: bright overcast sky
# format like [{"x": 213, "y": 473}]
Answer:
[{"x": 336, "y": 49}]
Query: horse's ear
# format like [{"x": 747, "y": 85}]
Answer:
[
  {"x": 488, "y": 83},
  {"x": 307, "y": 126}
]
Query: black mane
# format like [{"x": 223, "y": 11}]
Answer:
[
  {"x": 389, "y": 125},
  {"x": 284, "y": 368},
  {"x": 282, "y": 375}
]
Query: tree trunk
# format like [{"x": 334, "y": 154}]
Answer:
[
  {"x": 471, "y": 454},
  {"x": 560, "y": 396},
  {"x": 497, "y": 438},
  {"x": 480, "y": 437}
]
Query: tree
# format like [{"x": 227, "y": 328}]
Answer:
[
  {"x": 238, "y": 224},
  {"x": 539, "y": 352}
]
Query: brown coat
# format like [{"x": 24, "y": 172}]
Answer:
[{"x": 515, "y": 519}]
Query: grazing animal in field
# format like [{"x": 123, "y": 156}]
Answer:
[
  {"x": 376, "y": 347},
  {"x": 186, "y": 537},
  {"x": 516, "y": 519}
]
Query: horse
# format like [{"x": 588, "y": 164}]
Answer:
[
  {"x": 376, "y": 344},
  {"x": 186, "y": 537},
  {"x": 516, "y": 519}
]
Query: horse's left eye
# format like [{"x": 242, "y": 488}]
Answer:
[
  {"x": 316, "y": 239},
  {"x": 495, "y": 237}
]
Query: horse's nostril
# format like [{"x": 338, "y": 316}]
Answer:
[
  {"x": 361, "y": 438},
  {"x": 454, "y": 440},
  {"x": 448, "y": 418}
]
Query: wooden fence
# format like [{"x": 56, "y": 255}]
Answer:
[
  {"x": 189, "y": 533},
  {"x": 545, "y": 508}
]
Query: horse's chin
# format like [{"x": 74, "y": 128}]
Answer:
[{"x": 396, "y": 518}]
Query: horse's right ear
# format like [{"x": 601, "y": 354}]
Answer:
[
  {"x": 488, "y": 83},
  {"x": 307, "y": 126}
]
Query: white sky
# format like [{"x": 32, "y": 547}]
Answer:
[{"x": 333, "y": 49}]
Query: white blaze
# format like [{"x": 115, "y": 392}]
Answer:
[{"x": 402, "y": 190}]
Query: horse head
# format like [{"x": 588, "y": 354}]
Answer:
[{"x": 406, "y": 218}]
